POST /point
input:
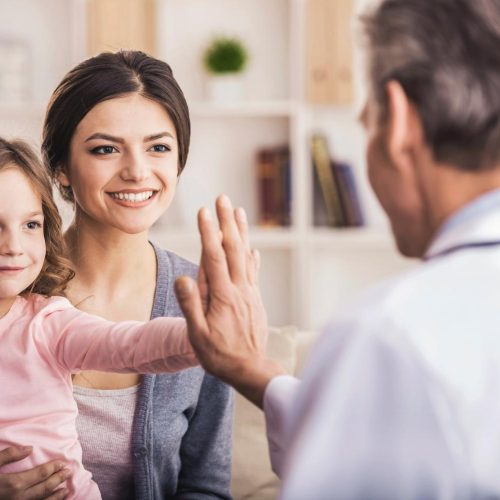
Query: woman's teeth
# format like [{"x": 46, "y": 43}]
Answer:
[{"x": 137, "y": 197}]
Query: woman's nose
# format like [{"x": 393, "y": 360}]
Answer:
[{"x": 135, "y": 168}]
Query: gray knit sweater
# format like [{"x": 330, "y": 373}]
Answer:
[{"x": 181, "y": 434}]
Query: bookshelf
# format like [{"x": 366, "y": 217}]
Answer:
[{"x": 308, "y": 272}]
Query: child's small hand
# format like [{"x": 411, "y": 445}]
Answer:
[{"x": 33, "y": 484}]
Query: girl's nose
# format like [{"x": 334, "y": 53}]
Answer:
[{"x": 10, "y": 243}]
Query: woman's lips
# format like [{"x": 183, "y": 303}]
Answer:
[{"x": 133, "y": 198}]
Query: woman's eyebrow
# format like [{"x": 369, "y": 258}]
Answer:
[
  {"x": 106, "y": 137},
  {"x": 159, "y": 135}
]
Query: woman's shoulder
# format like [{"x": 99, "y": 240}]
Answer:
[
  {"x": 177, "y": 265},
  {"x": 170, "y": 267}
]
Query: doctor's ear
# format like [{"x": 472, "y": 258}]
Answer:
[{"x": 404, "y": 125}]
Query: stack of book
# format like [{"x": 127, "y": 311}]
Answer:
[
  {"x": 336, "y": 201},
  {"x": 274, "y": 186}
]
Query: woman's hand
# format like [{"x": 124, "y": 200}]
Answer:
[
  {"x": 226, "y": 319},
  {"x": 33, "y": 484}
]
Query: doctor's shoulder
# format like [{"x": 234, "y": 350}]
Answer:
[{"x": 394, "y": 306}]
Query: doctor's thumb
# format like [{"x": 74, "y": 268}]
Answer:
[{"x": 189, "y": 298}]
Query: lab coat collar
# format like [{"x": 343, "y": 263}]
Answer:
[{"x": 480, "y": 231}]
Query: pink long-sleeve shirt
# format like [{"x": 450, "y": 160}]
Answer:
[{"x": 42, "y": 342}]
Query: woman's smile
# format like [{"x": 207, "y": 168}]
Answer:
[{"x": 131, "y": 198}]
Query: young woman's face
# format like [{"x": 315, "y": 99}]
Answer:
[
  {"x": 22, "y": 242},
  {"x": 123, "y": 163}
]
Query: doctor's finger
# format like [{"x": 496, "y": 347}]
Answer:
[
  {"x": 256, "y": 265},
  {"x": 203, "y": 286},
  {"x": 231, "y": 241},
  {"x": 189, "y": 299},
  {"x": 213, "y": 258},
  {"x": 242, "y": 224}
]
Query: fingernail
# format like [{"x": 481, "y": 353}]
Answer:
[
  {"x": 26, "y": 449},
  {"x": 183, "y": 286},
  {"x": 205, "y": 213},
  {"x": 224, "y": 201},
  {"x": 241, "y": 214}
]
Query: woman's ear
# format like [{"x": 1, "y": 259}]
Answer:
[
  {"x": 63, "y": 178},
  {"x": 404, "y": 126}
]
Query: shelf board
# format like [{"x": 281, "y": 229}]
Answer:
[
  {"x": 356, "y": 239},
  {"x": 364, "y": 238},
  {"x": 264, "y": 108},
  {"x": 259, "y": 237}
]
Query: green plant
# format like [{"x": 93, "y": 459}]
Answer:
[{"x": 225, "y": 55}]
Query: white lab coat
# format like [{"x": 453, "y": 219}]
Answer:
[{"x": 400, "y": 398}]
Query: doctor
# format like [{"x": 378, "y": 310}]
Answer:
[{"x": 400, "y": 399}]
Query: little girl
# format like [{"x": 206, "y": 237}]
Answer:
[{"x": 44, "y": 339}]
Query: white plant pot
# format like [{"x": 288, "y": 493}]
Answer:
[{"x": 225, "y": 88}]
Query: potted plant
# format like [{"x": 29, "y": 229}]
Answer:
[{"x": 225, "y": 60}]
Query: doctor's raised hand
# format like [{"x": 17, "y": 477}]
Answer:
[{"x": 226, "y": 319}]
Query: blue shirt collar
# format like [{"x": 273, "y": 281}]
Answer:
[
  {"x": 484, "y": 204},
  {"x": 473, "y": 224}
]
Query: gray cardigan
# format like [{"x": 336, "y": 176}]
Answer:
[{"x": 181, "y": 437}]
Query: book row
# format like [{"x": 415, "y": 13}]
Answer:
[{"x": 336, "y": 201}]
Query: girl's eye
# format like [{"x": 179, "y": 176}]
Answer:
[
  {"x": 33, "y": 224},
  {"x": 160, "y": 148},
  {"x": 104, "y": 150}
]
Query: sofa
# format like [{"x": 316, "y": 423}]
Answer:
[{"x": 252, "y": 477}]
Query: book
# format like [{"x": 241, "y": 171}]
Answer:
[
  {"x": 348, "y": 194},
  {"x": 274, "y": 186},
  {"x": 325, "y": 180}
]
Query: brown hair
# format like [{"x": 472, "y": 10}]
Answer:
[
  {"x": 104, "y": 77},
  {"x": 445, "y": 55},
  {"x": 56, "y": 271}
]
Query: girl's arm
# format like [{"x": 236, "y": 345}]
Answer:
[{"x": 81, "y": 341}]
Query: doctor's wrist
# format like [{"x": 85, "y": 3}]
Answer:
[{"x": 250, "y": 378}]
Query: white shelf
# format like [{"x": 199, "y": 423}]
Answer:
[
  {"x": 33, "y": 111},
  {"x": 261, "y": 109},
  {"x": 306, "y": 270},
  {"x": 364, "y": 239},
  {"x": 355, "y": 239},
  {"x": 272, "y": 238}
]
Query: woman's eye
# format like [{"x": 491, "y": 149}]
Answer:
[
  {"x": 104, "y": 150},
  {"x": 160, "y": 148},
  {"x": 33, "y": 224}
]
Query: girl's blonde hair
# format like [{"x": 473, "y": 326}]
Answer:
[{"x": 56, "y": 271}]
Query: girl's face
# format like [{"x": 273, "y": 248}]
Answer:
[
  {"x": 22, "y": 243},
  {"x": 123, "y": 163}
]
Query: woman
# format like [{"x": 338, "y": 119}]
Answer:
[{"x": 115, "y": 139}]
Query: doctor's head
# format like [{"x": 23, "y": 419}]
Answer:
[{"x": 433, "y": 110}]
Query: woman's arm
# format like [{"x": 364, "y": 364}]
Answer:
[{"x": 33, "y": 484}]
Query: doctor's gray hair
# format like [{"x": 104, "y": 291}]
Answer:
[{"x": 446, "y": 56}]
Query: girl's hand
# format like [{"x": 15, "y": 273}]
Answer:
[{"x": 33, "y": 484}]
